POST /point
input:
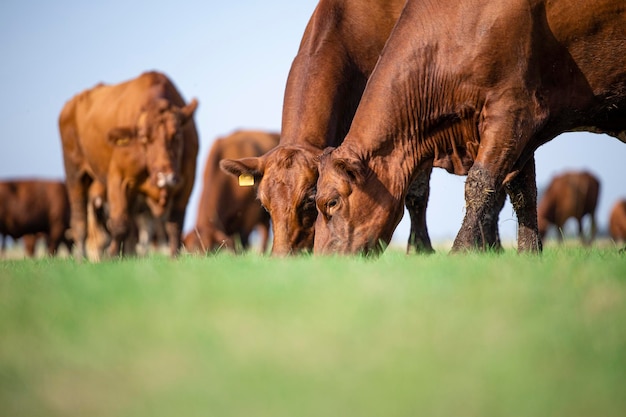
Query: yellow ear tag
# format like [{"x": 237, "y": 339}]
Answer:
[{"x": 246, "y": 180}]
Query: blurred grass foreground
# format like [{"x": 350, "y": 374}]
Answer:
[{"x": 441, "y": 335}]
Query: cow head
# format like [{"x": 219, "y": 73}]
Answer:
[
  {"x": 286, "y": 178},
  {"x": 159, "y": 132},
  {"x": 356, "y": 211}
]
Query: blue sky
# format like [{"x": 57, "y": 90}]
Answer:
[{"x": 233, "y": 56}]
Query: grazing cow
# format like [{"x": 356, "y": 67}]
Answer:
[
  {"x": 617, "y": 222},
  {"x": 573, "y": 194},
  {"x": 337, "y": 54},
  {"x": 32, "y": 208},
  {"x": 228, "y": 212},
  {"x": 137, "y": 138},
  {"x": 487, "y": 81}
]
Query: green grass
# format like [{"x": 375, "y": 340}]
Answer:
[{"x": 442, "y": 335}]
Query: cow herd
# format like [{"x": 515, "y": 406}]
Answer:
[{"x": 379, "y": 93}]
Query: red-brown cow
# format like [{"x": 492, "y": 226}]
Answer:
[
  {"x": 30, "y": 208},
  {"x": 486, "y": 81},
  {"x": 337, "y": 54},
  {"x": 572, "y": 194},
  {"x": 227, "y": 212},
  {"x": 137, "y": 138},
  {"x": 617, "y": 222}
]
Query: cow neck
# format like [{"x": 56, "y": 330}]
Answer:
[{"x": 407, "y": 118}]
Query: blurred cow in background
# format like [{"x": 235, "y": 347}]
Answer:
[
  {"x": 572, "y": 194},
  {"x": 228, "y": 212},
  {"x": 137, "y": 138},
  {"x": 617, "y": 222},
  {"x": 33, "y": 208}
]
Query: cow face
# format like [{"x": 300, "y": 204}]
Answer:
[
  {"x": 356, "y": 212},
  {"x": 160, "y": 129},
  {"x": 159, "y": 132},
  {"x": 286, "y": 178}
]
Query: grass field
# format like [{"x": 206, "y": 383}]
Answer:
[{"x": 441, "y": 335}]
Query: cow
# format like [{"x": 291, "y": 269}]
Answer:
[
  {"x": 34, "y": 208},
  {"x": 337, "y": 54},
  {"x": 137, "y": 138},
  {"x": 571, "y": 194},
  {"x": 486, "y": 82},
  {"x": 617, "y": 222},
  {"x": 227, "y": 212}
]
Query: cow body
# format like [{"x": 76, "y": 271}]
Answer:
[
  {"x": 30, "y": 208},
  {"x": 227, "y": 212},
  {"x": 136, "y": 138},
  {"x": 337, "y": 54},
  {"x": 570, "y": 195},
  {"x": 487, "y": 82},
  {"x": 617, "y": 222}
]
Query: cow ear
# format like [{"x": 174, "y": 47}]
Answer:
[
  {"x": 352, "y": 169},
  {"x": 245, "y": 166},
  {"x": 188, "y": 111},
  {"x": 122, "y": 136}
]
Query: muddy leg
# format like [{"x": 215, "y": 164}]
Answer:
[{"x": 478, "y": 231}]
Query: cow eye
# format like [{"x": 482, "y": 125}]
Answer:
[{"x": 332, "y": 203}]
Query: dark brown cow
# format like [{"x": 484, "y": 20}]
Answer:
[
  {"x": 137, "y": 138},
  {"x": 617, "y": 222},
  {"x": 484, "y": 81},
  {"x": 32, "y": 208},
  {"x": 572, "y": 194},
  {"x": 227, "y": 212}
]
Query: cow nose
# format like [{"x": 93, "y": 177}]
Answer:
[{"x": 164, "y": 180}]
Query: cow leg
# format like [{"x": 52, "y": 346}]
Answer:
[
  {"x": 173, "y": 230},
  {"x": 501, "y": 199},
  {"x": 522, "y": 190},
  {"x": 118, "y": 223},
  {"x": 30, "y": 242},
  {"x": 55, "y": 237},
  {"x": 594, "y": 228},
  {"x": 480, "y": 222},
  {"x": 416, "y": 201},
  {"x": 77, "y": 193},
  {"x": 506, "y": 128},
  {"x": 264, "y": 236}
]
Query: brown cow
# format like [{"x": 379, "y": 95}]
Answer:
[
  {"x": 337, "y": 54},
  {"x": 228, "y": 212},
  {"x": 617, "y": 222},
  {"x": 572, "y": 194},
  {"x": 33, "y": 208},
  {"x": 137, "y": 138},
  {"x": 482, "y": 81}
]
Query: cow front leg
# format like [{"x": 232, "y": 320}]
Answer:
[
  {"x": 416, "y": 201},
  {"x": 77, "y": 193},
  {"x": 119, "y": 219},
  {"x": 479, "y": 228},
  {"x": 173, "y": 230},
  {"x": 522, "y": 191}
]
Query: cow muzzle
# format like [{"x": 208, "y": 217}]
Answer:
[{"x": 166, "y": 180}]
